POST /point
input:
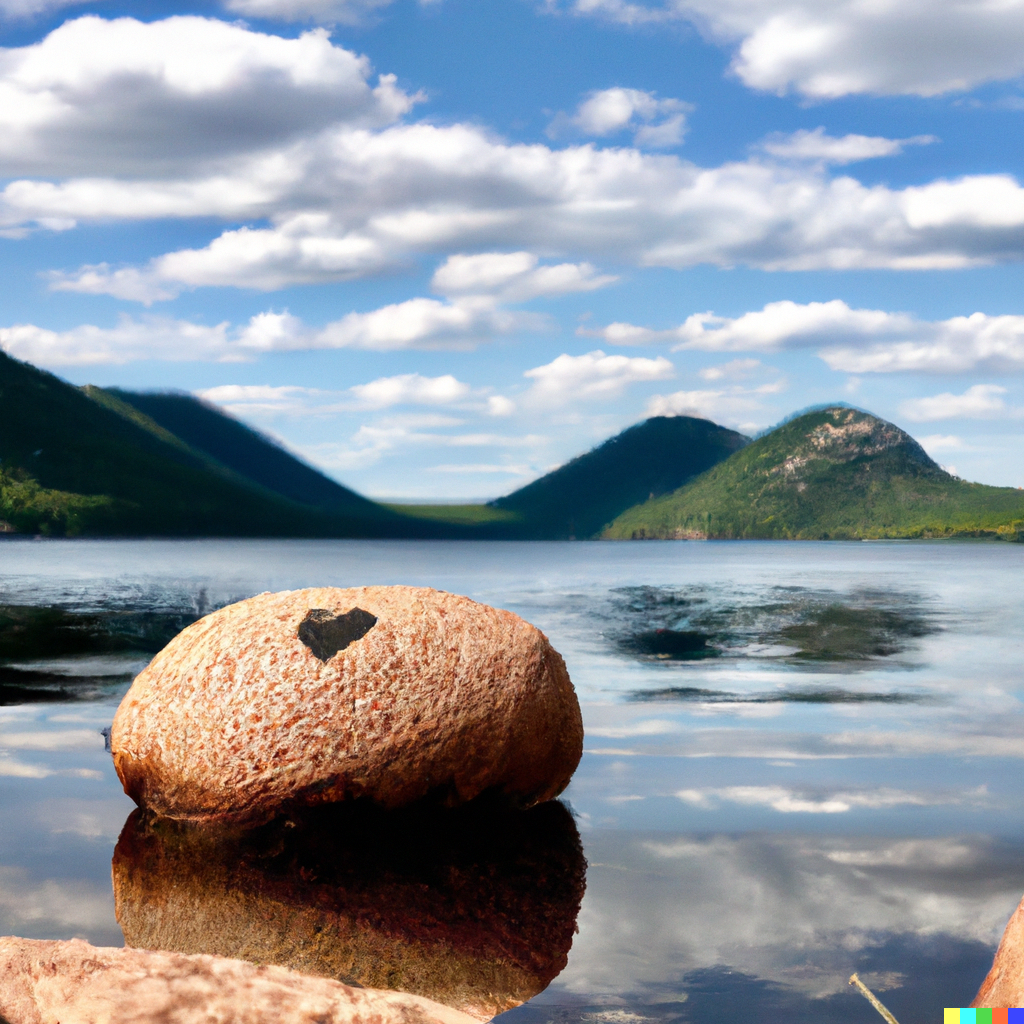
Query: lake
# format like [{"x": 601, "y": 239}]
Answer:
[{"x": 801, "y": 760}]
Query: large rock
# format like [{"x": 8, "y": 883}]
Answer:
[
  {"x": 313, "y": 696},
  {"x": 72, "y": 982},
  {"x": 473, "y": 907},
  {"x": 1004, "y": 984}
]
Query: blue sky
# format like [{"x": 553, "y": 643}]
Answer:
[{"x": 438, "y": 248}]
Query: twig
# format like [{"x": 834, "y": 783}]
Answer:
[{"x": 872, "y": 999}]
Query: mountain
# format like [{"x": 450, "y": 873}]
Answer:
[
  {"x": 832, "y": 473},
  {"x": 207, "y": 429},
  {"x": 651, "y": 458},
  {"x": 82, "y": 461}
]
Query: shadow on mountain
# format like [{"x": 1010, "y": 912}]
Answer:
[
  {"x": 475, "y": 908},
  {"x": 790, "y": 624}
]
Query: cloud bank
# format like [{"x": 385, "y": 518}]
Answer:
[
  {"x": 824, "y": 49},
  {"x": 851, "y": 340}
]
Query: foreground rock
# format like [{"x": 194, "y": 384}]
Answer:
[
  {"x": 75, "y": 983},
  {"x": 1004, "y": 984},
  {"x": 475, "y": 907},
  {"x": 315, "y": 696}
]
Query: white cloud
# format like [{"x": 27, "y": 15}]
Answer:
[
  {"x": 499, "y": 405},
  {"x": 88, "y": 345},
  {"x": 829, "y": 48},
  {"x": 850, "y": 340},
  {"x": 382, "y": 393},
  {"x": 514, "y": 277},
  {"x": 978, "y": 402},
  {"x": 111, "y": 121},
  {"x": 735, "y": 369},
  {"x": 941, "y": 443},
  {"x": 325, "y": 12},
  {"x": 424, "y": 324},
  {"x": 345, "y": 203},
  {"x": 176, "y": 96},
  {"x": 410, "y": 389},
  {"x": 594, "y": 375},
  {"x": 476, "y": 285},
  {"x": 817, "y": 146},
  {"x": 738, "y": 406},
  {"x": 655, "y": 123}
]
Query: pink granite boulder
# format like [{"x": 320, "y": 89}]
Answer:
[
  {"x": 44, "y": 982},
  {"x": 392, "y": 694}
]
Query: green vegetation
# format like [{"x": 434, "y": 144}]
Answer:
[
  {"x": 25, "y": 507},
  {"x": 82, "y": 461},
  {"x": 835, "y": 473},
  {"x": 456, "y": 515},
  {"x": 580, "y": 498}
]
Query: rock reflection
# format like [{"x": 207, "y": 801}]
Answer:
[{"x": 475, "y": 908}]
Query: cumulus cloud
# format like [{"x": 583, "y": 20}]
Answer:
[
  {"x": 410, "y": 389},
  {"x": 655, "y": 123},
  {"x": 816, "y": 146},
  {"x": 476, "y": 287},
  {"x": 978, "y": 402},
  {"x": 382, "y": 393},
  {"x": 293, "y": 144},
  {"x": 734, "y": 369},
  {"x": 176, "y": 96},
  {"x": 593, "y": 375},
  {"x": 130, "y": 339},
  {"x": 739, "y": 406},
  {"x": 415, "y": 324},
  {"x": 829, "y": 48},
  {"x": 514, "y": 277},
  {"x": 349, "y": 202},
  {"x": 942, "y": 443},
  {"x": 850, "y": 340}
]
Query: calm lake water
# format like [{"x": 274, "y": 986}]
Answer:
[{"x": 801, "y": 759}]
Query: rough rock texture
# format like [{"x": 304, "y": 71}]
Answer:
[
  {"x": 473, "y": 907},
  {"x": 1004, "y": 984},
  {"x": 72, "y": 982},
  {"x": 239, "y": 716}
]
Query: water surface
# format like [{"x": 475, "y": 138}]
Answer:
[{"x": 801, "y": 759}]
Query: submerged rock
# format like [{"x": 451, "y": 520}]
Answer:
[
  {"x": 314, "y": 696},
  {"x": 474, "y": 907},
  {"x": 43, "y": 982},
  {"x": 1004, "y": 984}
]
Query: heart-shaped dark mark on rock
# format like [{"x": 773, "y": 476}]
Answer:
[{"x": 325, "y": 633}]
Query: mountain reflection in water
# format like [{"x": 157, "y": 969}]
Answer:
[{"x": 475, "y": 908}]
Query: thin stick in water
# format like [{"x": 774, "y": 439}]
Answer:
[{"x": 872, "y": 999}]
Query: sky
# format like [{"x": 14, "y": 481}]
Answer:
[{"x": 439, "y": 247}]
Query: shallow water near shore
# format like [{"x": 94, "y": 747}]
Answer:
[{"x": 801, "y": 759}]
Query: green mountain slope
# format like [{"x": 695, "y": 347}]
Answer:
[
  {"x": 72, "y": 464},
  {"x": 249, "y": 453},
  {"x": 580, "y": 498},
  {"x": 833, "y": 473}
]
